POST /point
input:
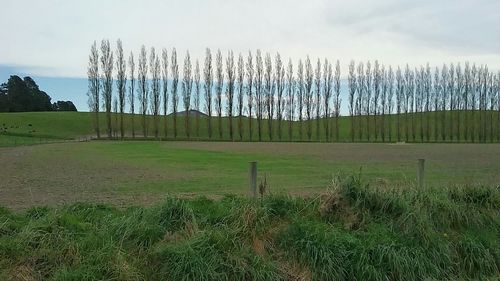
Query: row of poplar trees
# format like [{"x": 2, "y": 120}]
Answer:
[
  {"x": 453, "y": 103},
  {"x": 405, "y": 104}
]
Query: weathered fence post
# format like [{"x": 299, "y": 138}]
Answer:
[
  {"x": 252, "y": 177},
  {"x": 421, "y": 173}
]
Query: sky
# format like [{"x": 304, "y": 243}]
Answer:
[{"x": 50, "y": 40}]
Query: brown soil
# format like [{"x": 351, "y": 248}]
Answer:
[{"x": 33, "y": 178}]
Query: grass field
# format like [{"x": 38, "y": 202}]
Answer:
[
  {"x": 35, "y": 127},
  {"x": 142, "y": 172},
  {"x": 351, "y": 232}
]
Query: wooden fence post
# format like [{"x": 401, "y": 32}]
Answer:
[
  {"x": 421, "y": 173},
  {"x": 252, "y": 174}
]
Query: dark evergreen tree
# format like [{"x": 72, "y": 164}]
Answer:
[{"x": 63, "y": 106}]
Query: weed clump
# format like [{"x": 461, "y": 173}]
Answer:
[{"x": 366, "y": 233}]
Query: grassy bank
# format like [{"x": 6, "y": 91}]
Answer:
[{"x": 350, "y": 232}]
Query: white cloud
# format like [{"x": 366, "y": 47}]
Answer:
[{"x": 53, "y": 37}]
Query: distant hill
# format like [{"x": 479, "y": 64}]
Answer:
[{"x": 192, "y": 113}]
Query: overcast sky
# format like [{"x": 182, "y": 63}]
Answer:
[{"x": 53, "y": 38}]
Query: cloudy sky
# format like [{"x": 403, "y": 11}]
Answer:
[{"x": 52, "y": 38}]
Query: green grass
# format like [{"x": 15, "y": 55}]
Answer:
[
  {"x": 58, "y": 125},
  {"x": 350, "y": 232},
  {"x": 76, "y": 125},
  {"x": 142, "y": 172}
]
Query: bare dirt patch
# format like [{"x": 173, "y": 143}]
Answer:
[{"x": 51, "y": 175}]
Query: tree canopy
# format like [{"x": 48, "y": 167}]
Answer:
[
  {"x": 63, "y": 106},
  {"x": 20, "y": 95}
]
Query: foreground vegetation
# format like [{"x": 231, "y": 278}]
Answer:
[{"x": 350, "y": 232}]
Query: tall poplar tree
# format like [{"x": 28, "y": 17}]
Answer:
[
  {"x": 240, "y": 93},
  {"x": 309, "y": 96},
  {"x": 383, "y": 101},
  {"x": 368, "y": 97},
  {"x": 376, "y": 94},
  {"x": 143, "y": 88},
  {"x": 154, "y": 69},
  {"x": 399, "y": 101},
  {"x": 352, "y": 83},
  {"x": 301, "y": 96},
  {"x": 107, "y": 81},
  {"x": 337, "y": 100},
  {"x": 131, "y": 91},
  {"x": 428, "y": 101},
  {"x": 231, "y": 76},
  {"x": 269, "y": 97},
  {"x": 444, "y": 99},
  {"x": 327, "y": 94},
  {"x": 187, "y": 86},
  {"x": 259, "y": 96},
  {"x": 317, "y": 99},
  {"x": 174, "y": 69},
  {"x": 219, "y": 76},
  {"x": 166, "y": 96},
  {"x": 390, "y": 100},
  {"x": 360, "y": 99},
  {"x": 290, "y": 87},
  {"x": 121, "y": 82},
  {"x": 207, "y": 86},
  {"x": 94, "y": 86},
  {"x": 250, "y": 92},
  {"x": 437, "y": 93},
  {"x": 197, "y": 91},
  {"x": 280, "y": 88}
]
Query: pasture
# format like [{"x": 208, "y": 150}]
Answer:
[
  {"x": 146, "y": 209},
  {"x": 127, "y": 173},
  {"x": 41, "y": 127}
]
